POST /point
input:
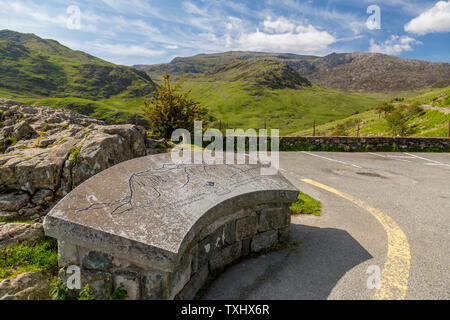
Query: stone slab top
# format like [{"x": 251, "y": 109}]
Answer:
[{"x": 148, "y": 209}]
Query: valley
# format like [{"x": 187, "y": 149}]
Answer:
[{"x": 239, "y": 89}]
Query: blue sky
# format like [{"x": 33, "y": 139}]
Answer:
[{"x": 154, "y": 31}]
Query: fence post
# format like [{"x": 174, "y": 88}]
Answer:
[
  {"x": 314, "y": 128},
  {"x": 357, "y": 129}
]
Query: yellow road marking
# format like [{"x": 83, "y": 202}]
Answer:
[{"x": 395, "y": 274}]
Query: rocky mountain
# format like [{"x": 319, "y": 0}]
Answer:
[
  {"x": 275, "y": 75},
  {"x": 41, "y": 67},
  {"x": 368, "y": 72}
]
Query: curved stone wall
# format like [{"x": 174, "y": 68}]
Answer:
[{"x": 160, "y": 229}]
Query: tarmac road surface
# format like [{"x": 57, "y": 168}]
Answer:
[{"x": 386, "y": 217}]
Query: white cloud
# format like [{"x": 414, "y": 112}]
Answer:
[
  {"x": 286, "y": 36},
  {"x": 279, "y": 25},
  {"x": 395, "y": 45},
  {"x": 124, "y": 50},
  {"x": 30, "y": 14},
  {"x": 277, "y": 34},
  {"x": 126, "y": 30},
  {"x": 37, "y": 14},
  {"x": 436, "y": 19}
]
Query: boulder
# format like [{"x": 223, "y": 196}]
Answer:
[
  {"x": 27, "y": 286},
  {"x": 56, "y": 151},
  {"x": 13, "y": 201},
  {"x": 12, "y": 234},
  {"x": 23, "y": 130}
]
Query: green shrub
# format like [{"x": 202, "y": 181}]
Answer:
[
  {"x": 60, "y": 291},
  {"x": 169, "y": 109},
  {"x": 340, "y": 130},
  {"x": 119, "y": 294},
  {"x": 86, "y": 293},
  {"x": 74, "y": 152},
  {"x": 394, "y": 147},
  {"x": 384, "y": 109}
]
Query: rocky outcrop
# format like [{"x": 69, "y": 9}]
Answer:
[
  {"x": 45, "y": 153},
  {"x": 15, "y": 233},
  {"x": 27, "y": 286}
]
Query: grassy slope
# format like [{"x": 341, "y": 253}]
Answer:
[
  {"x": 239, "y": 104},
  {"x": 31, "y": 65},
  {"x": 41, "y": 71},
  {"x": 437, "y": 97},
  {"x": 115, "y": 109},
  {"x": 431, "y": 123},
  {"x": 244, "y": 105}
]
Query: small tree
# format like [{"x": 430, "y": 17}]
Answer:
[
  {"x": 398, "y": 119},
  {"x": 384, "y": 108},
  {"x": 340, "y": 130},
  {"x": 170, "y": 109}
]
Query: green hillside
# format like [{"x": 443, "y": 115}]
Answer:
[
  {"x": 35, "y": 66},
  {"x": 437, "y": 97},
  {"x": 39, "y": 67},
  {"x": 201, "y": 63},
  {"x": 44, "y": 72},
  {"x": 240, "y": 104},
  {"x": 429, "y": 123}
]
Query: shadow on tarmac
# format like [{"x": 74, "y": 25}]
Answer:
[{"x": 310, "y": 271}]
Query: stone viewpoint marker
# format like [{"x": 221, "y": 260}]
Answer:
[{"x": 160, "y": 229}]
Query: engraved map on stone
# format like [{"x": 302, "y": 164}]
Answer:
[{"x": 177, "y": 185}]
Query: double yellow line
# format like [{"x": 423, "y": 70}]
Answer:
[{"x": 395, "y": 274}]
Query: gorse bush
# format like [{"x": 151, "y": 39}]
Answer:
[{"x": 170, "y": 109}]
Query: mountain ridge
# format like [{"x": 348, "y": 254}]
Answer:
[
  {"x": 264, "y": 72},
  {"x": 357, "y": 71}
]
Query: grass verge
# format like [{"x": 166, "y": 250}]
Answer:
[{"x": 306, "y": 205}]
